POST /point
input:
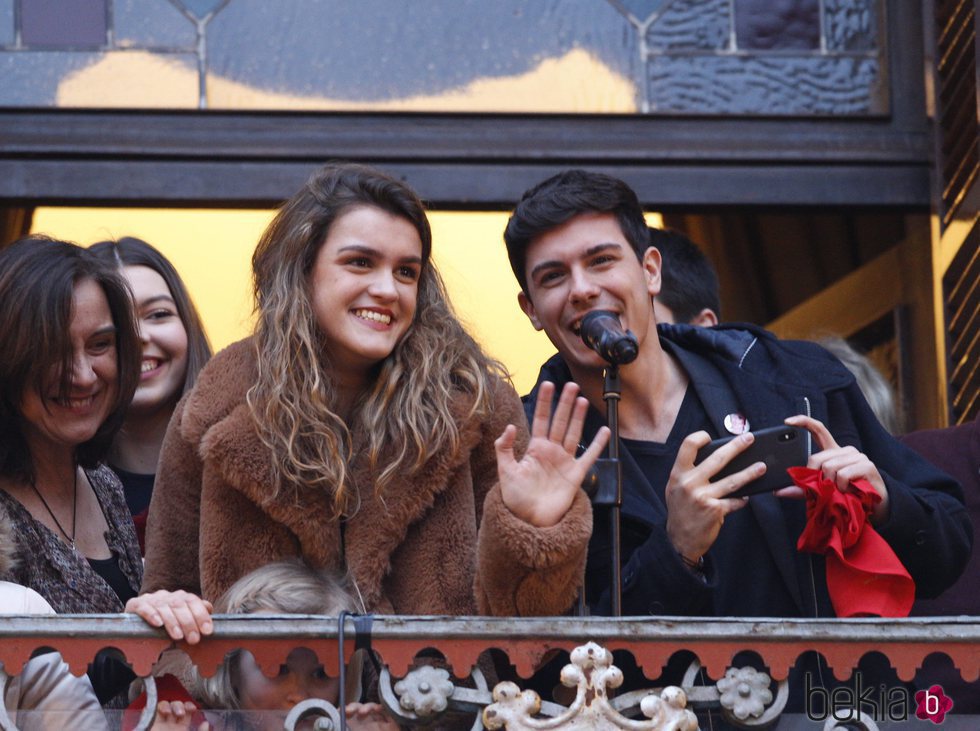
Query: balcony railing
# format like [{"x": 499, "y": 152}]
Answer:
[{"x": 745, "y": 697}]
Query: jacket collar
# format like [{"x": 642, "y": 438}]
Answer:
[{"x": 371, "y": 534}]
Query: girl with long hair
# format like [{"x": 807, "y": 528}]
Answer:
[
  {"x": 174, "y": 349},
  {"x": 356, "y": 429}
]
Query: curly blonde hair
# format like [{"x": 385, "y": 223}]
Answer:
[
  {"x": 407, "y": 415},
  {"x": 283, "y": 587}
]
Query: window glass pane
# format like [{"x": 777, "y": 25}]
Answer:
[
  {"x": 777, "y": 24},
  {"x": 152, "y": 23},
  {"x": 63, "y": 22},
  {"x": 774, "y": 85},
  {"x": 852, "y": 25},
  {"x": 200, "y": 8},
  {"x": 692, "y": 24},
  {"x": 133, "y": 79},
  {"x": 641, "y": 9},
  {"x": 32, "y": 79},
  {"x": 508, "y": 55},
  {"x": 6, "y": 22}
]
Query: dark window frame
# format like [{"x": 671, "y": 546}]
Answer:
[{"x": 148, "y": 157}]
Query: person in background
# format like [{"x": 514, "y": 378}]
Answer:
[
  {"x": 878, "y": 392},
  {"x": 689, "y": 292},
  {"x": 363, "y": 429},
  {"x": 174, "y": 349}
]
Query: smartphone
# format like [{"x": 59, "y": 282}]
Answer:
[{"x": 780, "y": 447}]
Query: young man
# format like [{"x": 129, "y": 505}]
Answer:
[{"x": 577, "y": 242}]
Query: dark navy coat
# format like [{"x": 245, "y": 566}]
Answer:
[{"x": 754, "y": 569}]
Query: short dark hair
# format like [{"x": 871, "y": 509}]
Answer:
[
  {"x": 131, "y": 251},
  {"x": 560, "y": 198},
  {"x": 689, "y": 283},
  {"x": 38, "y": 276}
]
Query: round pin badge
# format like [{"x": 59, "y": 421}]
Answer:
[{"x": 736, "y": 423}]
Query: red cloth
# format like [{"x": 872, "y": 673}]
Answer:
[
  {"x": 864, "y": 576},
  {"x": 168, "y": 689}
]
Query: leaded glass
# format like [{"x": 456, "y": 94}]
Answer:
[
  {"x": 777, "y": 24},
  {"x": 202, "y": 8},
  {"x": 33, "y": 78},
  {"x": 641, "y": 10},
  {"x": 775, "y": 84},
  {"x": 509, "y": 55},
  {"x": 525, "y": 56},
  {"x": 55, "y": 23},
  {"x": 6, "y": 22},
  {"x": 851, "y": 25},
  {"x": 152, "y": 23},
  {"x": 692, "y": 24}
]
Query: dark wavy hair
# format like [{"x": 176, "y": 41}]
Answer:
[
  {"x": 131, "y": 251},
  {"x": 557, "y": 200},
  {"x": 38, "y": 276}
]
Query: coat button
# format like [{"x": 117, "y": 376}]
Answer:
[
  {"x": 920, "y": 537},
  {"x": 656, "y": 608}
]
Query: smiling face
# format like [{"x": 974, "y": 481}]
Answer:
[
  {"x": 53, "y": 421},
  {"x": 269, "y": 700},
  {"x": 163, "y": 339},
  {"x": 364, "y": 288},
  {"x": 583, "y": 265}
]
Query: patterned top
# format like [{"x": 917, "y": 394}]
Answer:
[{"x": 59, "y": 574}]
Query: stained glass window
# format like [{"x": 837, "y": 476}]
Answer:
[{"x": 727, "y": 57}]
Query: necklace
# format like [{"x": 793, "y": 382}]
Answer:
[{"x": 74, "y": 510}]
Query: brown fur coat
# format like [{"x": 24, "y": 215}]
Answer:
[{"x": 438, "y": 542}]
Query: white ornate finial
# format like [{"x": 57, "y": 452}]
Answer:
[
  {"x": 425, "y": 691},
  {"x": 744, "y": 692},
  {"x": 669, "y": 710},
  {"x": 593, "y": 674}
]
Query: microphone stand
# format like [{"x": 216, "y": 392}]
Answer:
[
  {"x": 611, "y": 394},
  {"x": 608, "y": 486}
]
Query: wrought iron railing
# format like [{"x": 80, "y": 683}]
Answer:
[{"x": 421, "y": 694}]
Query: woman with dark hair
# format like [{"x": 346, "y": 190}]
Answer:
[
  {"x": 174, "y": 349},
  {"x": 68, "y": 370},
  {"x": 356, "y": 429}
]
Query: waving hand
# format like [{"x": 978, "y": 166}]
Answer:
[{"x": 540, "y": 487}]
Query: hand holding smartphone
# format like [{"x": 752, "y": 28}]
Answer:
[{"x": 779, "y": 447}]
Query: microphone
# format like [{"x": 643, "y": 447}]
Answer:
[{"x": 602, "y": 332}]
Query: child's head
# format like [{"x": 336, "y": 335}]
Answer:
[{"x": 284, "y": 587}]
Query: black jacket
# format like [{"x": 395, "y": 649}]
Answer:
[{"x": 754, "y": 568}]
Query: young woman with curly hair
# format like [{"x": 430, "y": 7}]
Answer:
[{"x": 362, "y": 429}]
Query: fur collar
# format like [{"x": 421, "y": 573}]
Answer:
[{"x": 217, "y": 417}]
